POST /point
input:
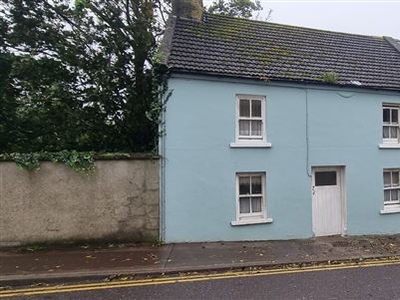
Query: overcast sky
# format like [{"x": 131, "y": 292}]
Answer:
[{"x": 379, "y": 18}]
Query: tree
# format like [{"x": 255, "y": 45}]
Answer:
[
  {"x": 83, "y": 75},
  {"x": 236, "y": 8},
  {"x": 79, "y": 76}
]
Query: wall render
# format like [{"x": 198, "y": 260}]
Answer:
[{"x": 119, "y": 201}]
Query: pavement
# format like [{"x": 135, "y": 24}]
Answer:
[{"x": 21, "y": 266}]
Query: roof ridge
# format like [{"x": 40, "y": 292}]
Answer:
[{"x": 288, "y": 25}]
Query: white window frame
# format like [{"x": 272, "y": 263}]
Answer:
[
  {"x": 252, "y": 217},
  {"x": 251, "y": 140},
  {"x": 391, "y": 206},
  {"x": 391, "y": 142}
]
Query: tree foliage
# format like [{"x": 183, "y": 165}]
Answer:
[
  {"x": 79, "y": 76},
  {"x": 82, "y": 75},
  {"x": 235, "y": 8}
]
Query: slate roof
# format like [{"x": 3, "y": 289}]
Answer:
[{"x": 234, "y": 47}]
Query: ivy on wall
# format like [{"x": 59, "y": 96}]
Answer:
[{"x": 82, "y": 162}]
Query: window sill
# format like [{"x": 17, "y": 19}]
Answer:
[
  {"x": 393, "y": 209},
  {"x": 389, "y": 146},
  {"x": 250, "y": 145},
  {"x": 252, "y": 222}
]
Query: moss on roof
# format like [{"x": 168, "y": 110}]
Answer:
[{"x": 236, "y": 47}]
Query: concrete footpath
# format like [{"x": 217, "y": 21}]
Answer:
[{"x": 60, "y": 264}]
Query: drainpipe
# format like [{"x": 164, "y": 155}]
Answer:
[
  {"x": 308, "y": 167},
  {"x": 162, "y": 151}
]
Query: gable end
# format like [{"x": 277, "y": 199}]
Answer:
[{"x": 393, "y": 42}]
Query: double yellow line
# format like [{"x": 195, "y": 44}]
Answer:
[{"x": 191, "y": 278}]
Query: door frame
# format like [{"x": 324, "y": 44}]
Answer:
[{"x": 341, "y": 173}]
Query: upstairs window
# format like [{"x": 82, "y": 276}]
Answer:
[
  {"x": 391, "y": 132},
  {"x": 250, "y": 119}
]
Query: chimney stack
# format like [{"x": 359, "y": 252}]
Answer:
[{"x": 189, "y": 9}]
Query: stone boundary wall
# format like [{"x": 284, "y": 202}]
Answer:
[{"x": 119, "y": 201}]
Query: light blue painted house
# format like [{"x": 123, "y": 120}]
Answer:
[{"x": 278, "y": 132}]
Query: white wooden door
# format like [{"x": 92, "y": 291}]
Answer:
[{"x": 327, "y": 201}]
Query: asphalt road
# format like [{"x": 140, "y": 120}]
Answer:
[{"x": 373, "y": 282}]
